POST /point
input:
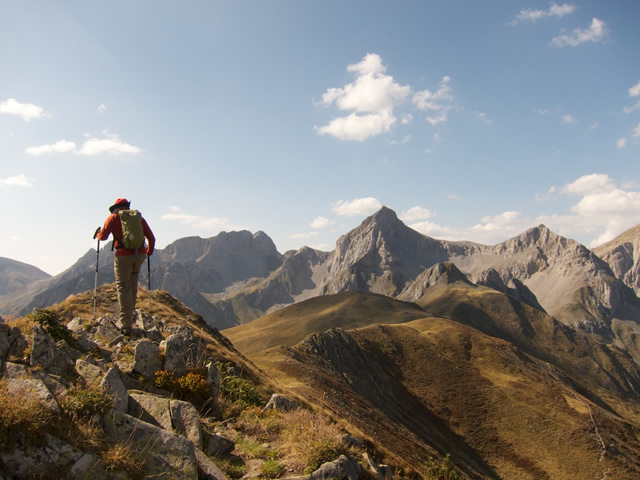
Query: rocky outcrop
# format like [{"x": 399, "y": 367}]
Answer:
[
  {"x": 159, "y": 435},
  {"x": 168, "y": 431},
  {"x": 623, "y": 256}
]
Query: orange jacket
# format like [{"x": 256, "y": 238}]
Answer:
[{"x": 112, "y": 225}]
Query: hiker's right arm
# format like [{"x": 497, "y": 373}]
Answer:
[{"x": 104, "y": 232}]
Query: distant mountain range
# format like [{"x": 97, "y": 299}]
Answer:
[
  {"x": 236, "y": 277},
  {"x": 520, "y": 360}
]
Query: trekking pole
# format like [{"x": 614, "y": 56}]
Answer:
[
  {"x": 149, "y": 279},
  {"x": 95, "y": 286}
]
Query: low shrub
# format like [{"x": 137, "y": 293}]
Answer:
[
  {"x": 441, "y": 471},
  {"x": 48, "y": 319},
  {"x": 271, "y": 468},
  {"x": 85, "y": 402},
  {"x": 191, "y": 386},
  {"x": 237, "y": 389}
]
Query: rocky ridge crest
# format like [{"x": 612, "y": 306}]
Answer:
[{"x": 167, "y": 435}]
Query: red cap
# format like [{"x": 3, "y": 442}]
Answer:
[{"x": 119, "y": 203}]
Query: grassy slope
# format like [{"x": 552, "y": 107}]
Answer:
[
  {"x": 423, "y": 385},
  {"x": 346, "y": 310}
]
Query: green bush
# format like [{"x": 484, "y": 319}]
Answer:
[
  {"x": 236, "y": 389},
  {"x": 48, "y": 319},
  {"x": 191, "y": 386},
  {"x": 442, "y": 471},
  {"x": 84, "y": 402},
  {"x": 271, "y": 468}
]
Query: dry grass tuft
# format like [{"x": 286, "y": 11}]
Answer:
[
  {"x": 122, "y": 457},
  {"x": 21, "y": 416}
]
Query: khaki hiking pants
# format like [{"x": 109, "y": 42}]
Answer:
[{"x": 127, "y": 268}]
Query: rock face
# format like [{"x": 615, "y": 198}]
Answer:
[{"x": 623, "y": 256}]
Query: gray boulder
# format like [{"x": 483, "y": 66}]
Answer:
[
  {"x": 167, "y": 455},
  {"x": 146, "y": 358},
  {"x": 342, "y": 468},
  {"x": 174, "y": 360},
  {"x": 43, "y": 351},
  {"x": 112, "y": 384},
  {"x": 279, "y": 403}
]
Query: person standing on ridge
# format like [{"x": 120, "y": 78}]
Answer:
[{"x": 129, "y": 231}]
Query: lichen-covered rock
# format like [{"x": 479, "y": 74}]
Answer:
[
  {"x": 146, "y": 358},
  {"x": 152, "y": 409},
  {"x": 43, "y": 350},
  {"x": 91, "y": 373},
  {"x": 186, "y": 421},
  {"x": 29, "y": 461},
  {"x": 36, "y": 389},
  {"x": 174, "y": 359},
  {"x": 343, "y": 468},
  {"x": 167, "y": 455},
  {"x": 112, "y": 384},
  {"x": 279, "y": 403}
]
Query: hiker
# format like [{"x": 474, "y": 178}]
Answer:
[{"x": 128, "y": 261}]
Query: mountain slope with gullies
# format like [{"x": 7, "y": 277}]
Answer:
[
  {"x": 433, "y": 386},
  {"x": 15, "y": 276}
]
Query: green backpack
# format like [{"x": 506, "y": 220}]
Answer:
[{"x": 132, "y": 234}]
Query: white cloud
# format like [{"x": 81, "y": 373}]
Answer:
[
  {"x": 636, "y": 132},
  {"x": 111, "y": 145},
  {"x": 17, "y": 181},
  {"x": 434, "y": 230},
  {"x": 568, "y": 119},
  {"x": 603, "y": 210},
  {"x": 27, "y": 111},
  {"x": 632, "y": 108},
  {"x": 416, "y": 213},
  {"x": 555, "y": 10},
  {"x": 371, "y": 99},
  {"x": 621, "y": 143},
  {"x": 321, "y": 222},
  {"x": 101, "y": 108},
  {"x": 635, "y": 90},
  {"x": 62, "y": 146},
  {"x": 354, "y": 208},
  {"x": 303, "y": 236},
  {"x": 593, "y": 183},
  {"x": 358, "y": 127},
  {"x": 196, "y": 221},
  {"x": 596, "y": 32},
  {"x": 436, "y": 102}
]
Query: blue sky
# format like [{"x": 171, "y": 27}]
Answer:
[{"x": 472, "y": 120}]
